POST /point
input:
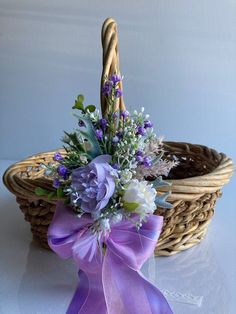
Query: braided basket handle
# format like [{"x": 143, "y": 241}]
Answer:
[{"x": 110, "y": 60}]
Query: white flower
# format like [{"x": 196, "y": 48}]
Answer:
[
  {"x": 126, "y": 175},
  {"x": 142, "y": 194},
  {"x": 84, "y": 159}
]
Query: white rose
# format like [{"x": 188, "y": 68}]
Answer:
[{"x": 142, "y": 197}]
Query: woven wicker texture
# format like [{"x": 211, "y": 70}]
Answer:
[{"x": 196, "y": 181}]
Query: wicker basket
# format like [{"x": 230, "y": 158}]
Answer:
[{"x": 196, "y": 182}]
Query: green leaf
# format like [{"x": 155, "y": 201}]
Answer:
[
  {"x": 67, "y": 201},
  {"x": 78, "y": 106},
  {"x": 130, "y": 206},
  {"x": 73, "y": 138},
  {"x": 60, "y": 192},
  {"x": 94, "y": 150},
  {"x": 41, "y": 192},
  {"x": 52, "y": 195},
  {"x": 90, "y": 108},
  {"x": 79, "y": 103},
  {"x": 89, "y": 135},
  {"x": 80, "y": 98}
]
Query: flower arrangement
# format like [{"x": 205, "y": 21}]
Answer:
[
  {"x": 108, "y": 201},
  {"x": 107, "y": 162}
]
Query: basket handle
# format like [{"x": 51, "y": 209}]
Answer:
[{"x": 110, "y": 60}]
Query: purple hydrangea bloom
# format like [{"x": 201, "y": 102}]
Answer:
[
  {"x": 141, "y": 130},
  {"x": 99, "y": 134},
  {"x": 106, "y": 89},
  {"x": 118, "y": 93},
  {"x": 93, "y": 184},
  {"x": 147, "y": 161},
  {"x": 62, "y": 172},
  {"x": 115, "y": 78},
  {"x": 103, "y": 123},
  {"x": 56, "y": 183},
  {"x": 125, "y": 114},
  {"x": 148, "y": 124},
  {"x": 58, "y": 157}
]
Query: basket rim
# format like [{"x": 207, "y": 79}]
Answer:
[{"x": 185, "y": 189}]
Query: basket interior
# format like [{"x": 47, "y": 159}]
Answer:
[{"x": 196, "y": 161}]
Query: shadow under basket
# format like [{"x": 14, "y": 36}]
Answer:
[{"x": 196, "y": 185}]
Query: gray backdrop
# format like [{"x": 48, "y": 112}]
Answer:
[{"x": 178, "y": 58}]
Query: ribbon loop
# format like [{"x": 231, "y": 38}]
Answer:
[
  {"x": 134, "y": 246},
  {"x": 110, "y": 282}
]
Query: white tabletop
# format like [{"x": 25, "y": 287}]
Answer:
[{"x": 200, "y": 280}]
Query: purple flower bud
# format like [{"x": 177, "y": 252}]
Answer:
[
  {"x": 58, "y": 157},
  {"x": 147, "y": 161},
  {"x": 116, "y": 166},
  {"x": 115, "y": 78},
  {"x": 139, "y": 153},
  {"x": 118, "y": 93},
  {"x": 125, "y": 114},
  {"x": 99, "y": 134},
  {"x": 103, "y": 124},
  {"x": 140, "y": 130},
  {"x": 62, "y": 172},
  {"x": 148, "y": 124},
  {"x": 139, "y": 158},
  {"x": 115, "y": 139},
  {"x": 56, "y": 183},
  {"x": 81, "y": 123},
  {"x": 106, "y": 89}
]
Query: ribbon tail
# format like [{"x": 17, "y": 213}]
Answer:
[
  {"x": 89, "y": 296},
  {"x": 128, "y": 292}
]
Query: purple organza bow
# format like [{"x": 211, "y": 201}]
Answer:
[{"x": 109, "y": 283}]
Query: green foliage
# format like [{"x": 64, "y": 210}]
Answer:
[
  {"x": 74, "y": 142},
  {"x": 90, "y": 108},
  {"x": 52, "y": 195},
  {"x": 41, "y": 192},
  {"x": 88, "y": 135},
  {"x": 130, "y": 206},
  {"x": 79, "y": 103},
  {"x": 60, "y": 192},
  {"x": 94, "y": 148}
]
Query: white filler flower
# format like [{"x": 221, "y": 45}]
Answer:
[{"x": 139, "y": 197}]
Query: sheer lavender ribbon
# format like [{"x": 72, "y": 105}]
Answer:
[{"x": 109, "y": 283}]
